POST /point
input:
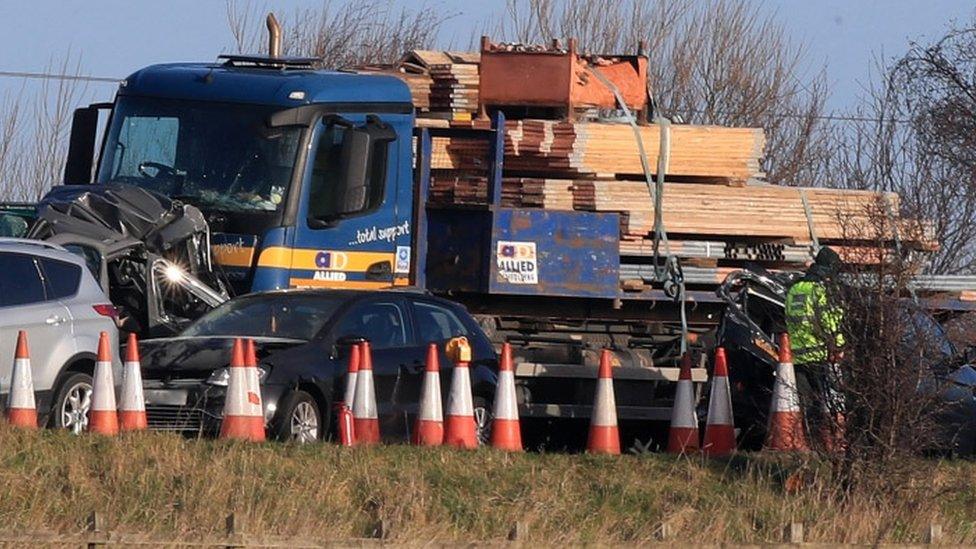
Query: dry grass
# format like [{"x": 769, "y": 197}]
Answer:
[{"x": 166, "y": 486}]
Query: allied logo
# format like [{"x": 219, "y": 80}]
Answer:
[{"x": 331, "y": 260}]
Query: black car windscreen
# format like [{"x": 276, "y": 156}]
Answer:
[{"x": 299, "y": 316}]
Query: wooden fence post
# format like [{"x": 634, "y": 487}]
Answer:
[{"x": 794, "y": 532}]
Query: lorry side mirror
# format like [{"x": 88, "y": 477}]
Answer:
[
  {"x": 354, "y": 163},
  {"x": 81, "y": 147}
]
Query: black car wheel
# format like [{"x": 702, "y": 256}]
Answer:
[
  {"x": 298, "y": 419},
  {"x": 71, "y": 403}
]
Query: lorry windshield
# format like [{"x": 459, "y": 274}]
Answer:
[{"x": 219, "y": 156}]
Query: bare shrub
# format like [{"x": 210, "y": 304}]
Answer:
[
  {"x": 879, "y": 402},
  {"x": 920, "y": 140},
  {"x": 35, "y": 124},
  {"x": 341, "y": 34}
]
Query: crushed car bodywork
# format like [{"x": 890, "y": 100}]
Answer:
[{"x": 150, "y": 254}]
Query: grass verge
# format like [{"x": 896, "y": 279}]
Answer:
[{"x": 162, "y": 485}]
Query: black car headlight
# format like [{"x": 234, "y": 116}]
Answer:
[{"x": 221, "y": 376}]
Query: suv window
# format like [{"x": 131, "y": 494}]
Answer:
[
  {"x": 62, "y": 278},
  {"x": 435, "y": 323},
  {"x": 20, "y": 281},
  {"x": 381, "y": 323}
]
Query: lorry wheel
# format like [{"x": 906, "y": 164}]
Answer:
[
  {"x": 482, "y": 420},
  {"x": 298, "y": 419},
  {"x": 71, "y": 403}
]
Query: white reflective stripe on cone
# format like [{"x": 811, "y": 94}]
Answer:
[
  {"x": 605, "y": 405},
  {"x": 364, "y": 403},
  {"x": 785, "y": 397},
  {"x": 459, "y": 402},
  {"x": 431, "y": 408},
  {"x": 719, "y": 412},
  {"x": 505, "y": 406},
  {"x": 103, "y": 396},
  {"x": 241, "y": 399},
  {"x": 350, "y": 395},
  {"x": 683, "y": 412},
  {"x": 132, "y": 398},
  {"x": 21, "y": 385}
]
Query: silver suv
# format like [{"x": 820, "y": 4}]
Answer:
[{"x": 50, "y": 293}]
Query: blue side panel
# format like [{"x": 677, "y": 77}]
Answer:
[
  {"x": 556, "y": 253},
  {"x": 457, "y": 250},
  {"x": 524, "y": 251}
]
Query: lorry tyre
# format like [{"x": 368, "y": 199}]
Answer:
[
  {"x": 69, "y": 410},
  {"x": 298, "y": 419},
  {"x": 483, "y": 417}
]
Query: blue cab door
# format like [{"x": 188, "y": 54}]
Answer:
[{"x": 368, "y": 248}]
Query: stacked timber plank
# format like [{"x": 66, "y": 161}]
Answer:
[
  {"x": 756, "y": 211},
  {"x": 519, "y": 192},
  {"x": 592, "y": 149},
  {"x": 717, "y": 210},
  {"x": 443, "y": 84}
]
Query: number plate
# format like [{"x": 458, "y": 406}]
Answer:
[{"x": 166, "y": 397}]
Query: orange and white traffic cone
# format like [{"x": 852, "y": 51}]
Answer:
[
  {"x": 683, "y": 435},
  {"x": 604, "y": 435},
  {"x": 785, "y": 429},
  {"x": 352, "y": 372},
  {"x": 429, "y": 428},
  {"x": 460, "y": 429},
  {"x": 243, "y": 414},
  {"x": 132, "y": 411},
  {"x": 103, "y": 417},
  {"x": 719, "y": 427},
  {"x": 344, "y": 417},
  {"x": 21, "y": 408},
  {"x": 366, "y": 424},
  {"x": 506, "y": 433}
]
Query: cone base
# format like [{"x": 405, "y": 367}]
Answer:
[
  {"x": 683, "y": 440},
  {"x": 785, "y": 433},
  {"x": 428, "y": 433},
  {"x": 243, "y": 428},
  {"x": 103, "y": 422},
  {"x": 22, "y": 417},
  {"x": 506, "y": 434},
  {"x": 460, "y": 432},
  {"x": 719, "y": 440},
  {"x": 367, "y": 431},
  {"x": 603, "y": 439},
  {"x": 130, "y": 420}
]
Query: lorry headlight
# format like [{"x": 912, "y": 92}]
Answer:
[{"x": 221, "y": 376}]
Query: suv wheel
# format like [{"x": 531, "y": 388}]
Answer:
[
  {"x": 298, "y": 419},
  {"x": 70, "y": 409}
]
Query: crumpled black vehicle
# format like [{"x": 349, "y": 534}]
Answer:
[{"x": 151, "y": 254}]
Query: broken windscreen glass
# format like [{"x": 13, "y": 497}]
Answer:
[{"x": 219, "y": 156}]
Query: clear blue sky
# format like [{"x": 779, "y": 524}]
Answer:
[{"x": 114, "y": 37}]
